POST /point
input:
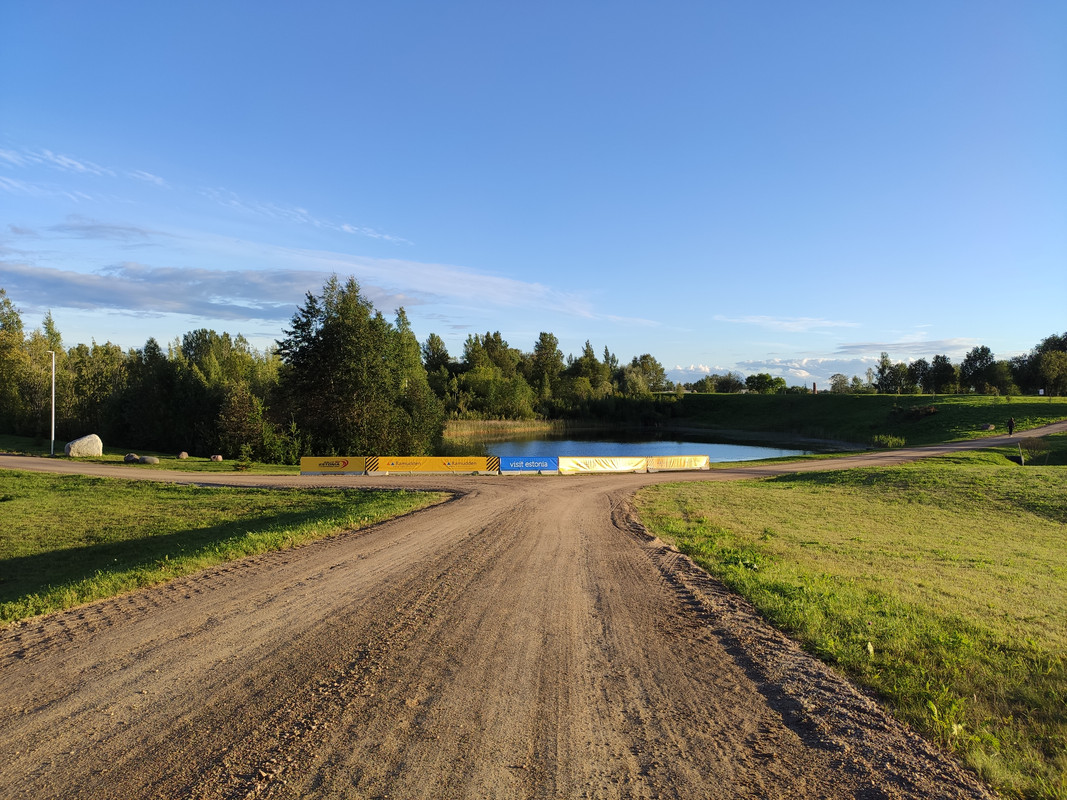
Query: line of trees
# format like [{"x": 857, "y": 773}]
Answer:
[
  {"x": 343, "y": 379},
  {"x": 1044, "y": 368}
]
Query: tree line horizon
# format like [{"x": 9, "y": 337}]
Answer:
[{"x": 344, "y": 379}]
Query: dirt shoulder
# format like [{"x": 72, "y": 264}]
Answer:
[{"x": 526, "y": 640}]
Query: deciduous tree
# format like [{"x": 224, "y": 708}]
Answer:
[
  {"x": 976, "y": 369},
  {"x": 765, "y": 383}
]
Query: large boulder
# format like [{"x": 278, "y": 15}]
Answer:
[{"x": 86, "y": 446}]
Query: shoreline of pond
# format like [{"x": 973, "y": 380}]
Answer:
[{"x": 488, "y": 432}]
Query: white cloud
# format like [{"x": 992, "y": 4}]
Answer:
[
  {"x": 693, "y": 369},
  {"x": 806, "y": 370}
]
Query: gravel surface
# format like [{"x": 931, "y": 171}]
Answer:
[{"x": 527, "y": 639}]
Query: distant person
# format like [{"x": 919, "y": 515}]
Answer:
[{"x": 1011, "y": 425}]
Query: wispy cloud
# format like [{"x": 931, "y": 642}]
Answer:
[
  {"x": 272, "y": 294},
  {"x": 152, "y": 291},
  {"x": 26, "y": 158},
  {"x": 459, "y": 286},
  {"x": 294, "y": 214},
  {"x": 37, "y": 190},
  {"x": 788, "y": 324},
  {"x": 85, "y": 228},
  {"x": 68, "y": 164},
  {"x": 918, "y": 348},
  {"x": 12, "y": 157},
  {"x": 148, "y": 177}
]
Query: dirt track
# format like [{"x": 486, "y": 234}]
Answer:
[{"x": 526, "y": 639}]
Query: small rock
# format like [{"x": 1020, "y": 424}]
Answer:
[
  {"x": 148, "y": 460},
  {"x": 183, "y": 454},
  {"x": 131, "y": 458},
  {"x": 216, "y": 458}
]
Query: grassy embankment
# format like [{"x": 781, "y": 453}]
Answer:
[
  {"x": 69, "y": 539},
  {"x": 941, "y": 585},
  {"x": 880, "y": 420}
]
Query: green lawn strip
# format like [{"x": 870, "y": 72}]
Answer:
[
  {"x": 69, "y": 539},
  {"x": 941, "y": 585}
]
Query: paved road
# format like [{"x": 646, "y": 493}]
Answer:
[{"x": 525, "y": 640}]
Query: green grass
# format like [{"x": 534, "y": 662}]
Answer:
[
  {"x": 23, "y": 445},
  {"x": 867, "y": 419},
  {"x": 941, "y": 585},
  {"x": 69, "y": 539}
]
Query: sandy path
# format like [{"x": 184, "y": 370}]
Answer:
[{"x": 525, "y": 640}]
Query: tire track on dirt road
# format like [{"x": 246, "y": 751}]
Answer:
[{"x": 526, "y": 639}]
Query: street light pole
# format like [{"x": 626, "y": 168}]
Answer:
[{"x": 52, "y": 441}]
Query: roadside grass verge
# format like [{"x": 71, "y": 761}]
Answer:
[
  {"x": 941, "y": 585},
  {"x": 69, "y": 539},
  {"x": 24, "y": 445}
]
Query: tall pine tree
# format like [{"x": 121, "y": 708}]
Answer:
[{"x": 354, "y": 384}]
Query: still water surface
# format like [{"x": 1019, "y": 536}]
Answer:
[{"x": 716, "y": 451}]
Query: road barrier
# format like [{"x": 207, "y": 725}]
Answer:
[
  {"x": 494, "y": 465},
  {"x": 516, "y": 465},
  {"x": 575, "y": 465},
  {"x": 333, "y": 466},
  {"x": 391, "y": 465},
  {"x": 668, "y": 463}
]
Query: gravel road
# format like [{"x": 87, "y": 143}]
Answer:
[{"x": 526, "y": 639}]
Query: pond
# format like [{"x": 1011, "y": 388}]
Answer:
[{"x": 645, "y": 445}]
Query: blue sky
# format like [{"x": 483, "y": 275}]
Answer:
[{"x": 760, "y": 186}]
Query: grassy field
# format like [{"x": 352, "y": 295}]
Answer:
[
  {"x": 112, "y": 455},
  {"x": 941, "y": 585},
  {"x": 68, "y": 539},
  {"x": 869, "y": 418}
]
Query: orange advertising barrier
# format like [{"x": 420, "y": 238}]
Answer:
[
  {"x": 334, "y": 465},
  {"x": 667, "y": 463},
  {"x": 385, "y": 465}
]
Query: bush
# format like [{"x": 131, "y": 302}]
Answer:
[
  {"x": 886, "y": 441},
  {"x": 912, "y": 414}
]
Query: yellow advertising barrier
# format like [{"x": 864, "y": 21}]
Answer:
[
  {"x": 666, "y": 463},
  {"x": 574, "y": 465},
  {"x": 334, "y": 465},
  {"x": 384, "y": 465}
]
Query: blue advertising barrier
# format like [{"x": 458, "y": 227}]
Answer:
[{"x": 544, "y": 464}]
